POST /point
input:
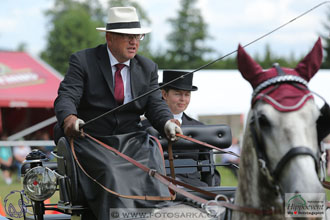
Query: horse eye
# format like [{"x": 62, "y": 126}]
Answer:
[{"x": 263, "y": 121}]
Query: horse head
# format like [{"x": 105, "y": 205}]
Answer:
[{"x": 280, "y": 151}]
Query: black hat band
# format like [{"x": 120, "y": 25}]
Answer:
[{"x": 123, "y": 25}]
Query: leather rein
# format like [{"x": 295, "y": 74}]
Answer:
[{"x": 171, "y": 183}]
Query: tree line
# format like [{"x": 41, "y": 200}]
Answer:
[{"x": 71, "y": 22}]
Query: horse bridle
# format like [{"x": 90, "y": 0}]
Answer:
[{"x": 256, "y": 132}]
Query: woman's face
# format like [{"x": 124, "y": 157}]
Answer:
[{"x": 177, "y": 100}]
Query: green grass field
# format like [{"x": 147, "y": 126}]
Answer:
[{"x": 227, "y": 179}]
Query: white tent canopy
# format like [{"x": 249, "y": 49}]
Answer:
[{"x": 227, "y": 92}]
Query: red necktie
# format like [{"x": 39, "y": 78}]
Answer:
[{"x": 119, "y": 84}]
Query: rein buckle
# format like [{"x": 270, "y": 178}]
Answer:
[
  {"x": 262, "y": 163},
  {"x": 152, "y": 172}
]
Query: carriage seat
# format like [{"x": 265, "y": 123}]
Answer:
[
  {"x": 190, "y": 157},
  {"x": 71, "y": 196}
]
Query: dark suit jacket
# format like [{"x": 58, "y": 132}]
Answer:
[
  {"x": 186, "y": 120},
  {"x": 87, "y": 91}
]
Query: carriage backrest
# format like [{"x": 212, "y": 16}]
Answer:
[{"x": 218, "y": 135}]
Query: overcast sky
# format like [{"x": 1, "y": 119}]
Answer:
[{"x": 229, "y": 23}]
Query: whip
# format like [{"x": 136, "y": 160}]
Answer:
[{"x": 205, "y": 65}]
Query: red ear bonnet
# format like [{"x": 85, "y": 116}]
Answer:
[
  {"x": 286, "y": 97},
  {"x": 312, "y": 62},
  {"x": 249, "y": 68}
]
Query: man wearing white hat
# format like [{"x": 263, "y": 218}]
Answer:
[
  {"x": 102, "y": 78},
  {"x": 89, "y": 87}
]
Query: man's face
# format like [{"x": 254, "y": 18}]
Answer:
[
  {"x": 177, "y": 100},
  {"x": 123, "y": 46}
]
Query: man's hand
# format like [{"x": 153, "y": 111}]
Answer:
[
  {"x": 71, "y": 126},
  {"x": 171, "y": 128}
]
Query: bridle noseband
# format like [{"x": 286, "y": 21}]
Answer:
[{"x": 293, "y": 152}]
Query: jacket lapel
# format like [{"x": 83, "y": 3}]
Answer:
[
  {"x": 104, "y": 64},
  {"x": 184, "y": 119},
  {"x": 135, "y": 71}
]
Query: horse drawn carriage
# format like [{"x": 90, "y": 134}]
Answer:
[
  {"x": 62, "y": 175},
  {"x": 280, "y": 154}
]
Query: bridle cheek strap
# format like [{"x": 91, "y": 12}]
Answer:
[{"x": 293, "y": 152}]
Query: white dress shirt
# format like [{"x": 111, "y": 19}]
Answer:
[{"x": 178, "y": 117}]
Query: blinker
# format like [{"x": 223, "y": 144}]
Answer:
[{"x": 323, "y": 123}]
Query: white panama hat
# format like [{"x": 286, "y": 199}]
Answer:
[{"x": 124, "y": 20}]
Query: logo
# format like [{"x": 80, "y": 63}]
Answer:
[
  {"x": 10, "y": 78},
  {"x": 16, "y": 208},
  {"x": 305, "y": 205},
  {"x": 173, "y": 212}
]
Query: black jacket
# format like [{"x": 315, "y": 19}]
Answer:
[
  {"x": 186, "y": 120},
  {"x": 87, "y": 91}
]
